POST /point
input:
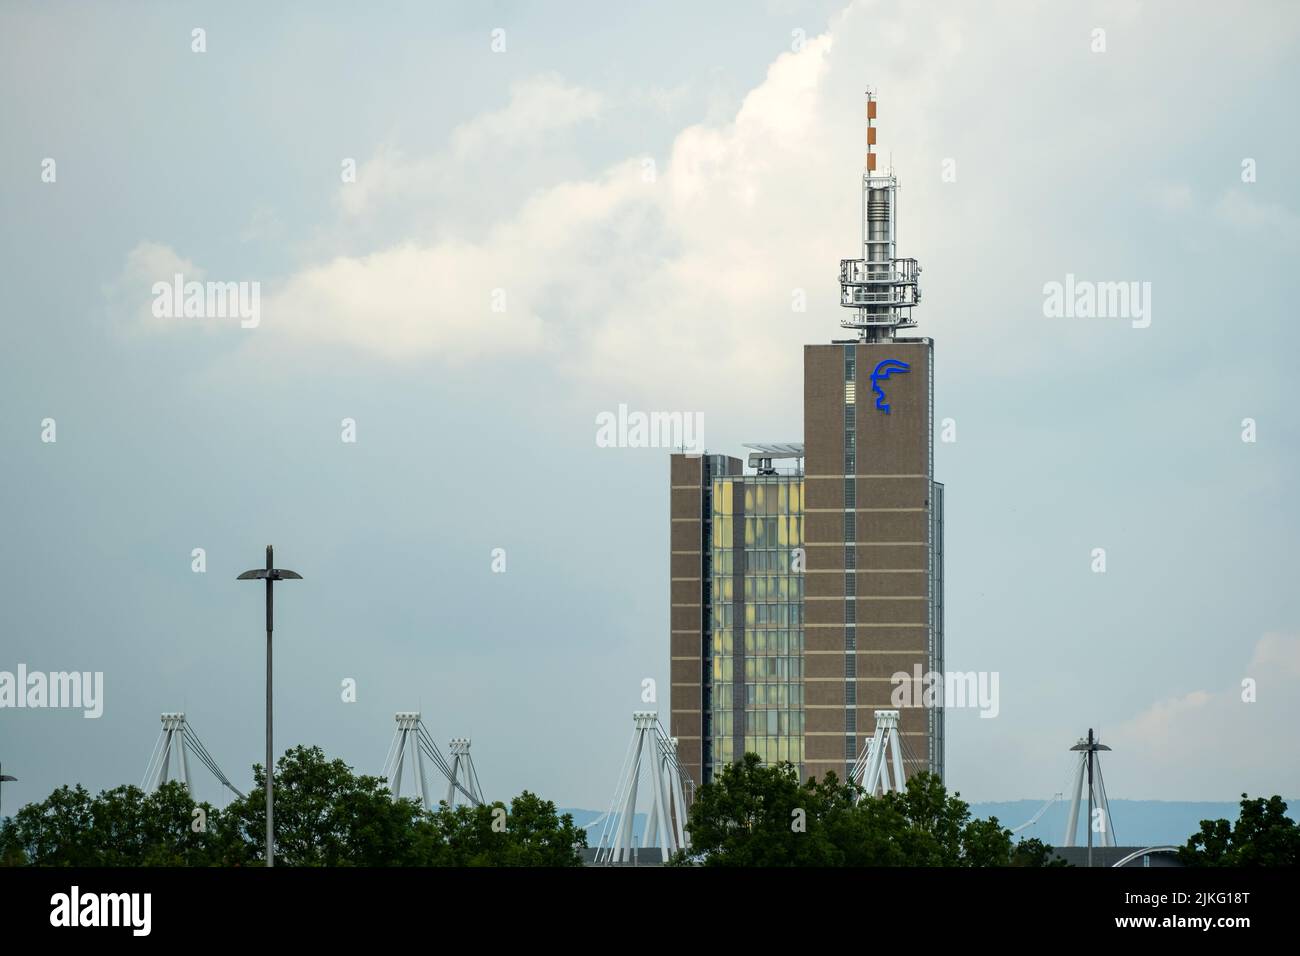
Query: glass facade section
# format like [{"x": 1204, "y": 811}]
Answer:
[{"x": 757, "y": 619}]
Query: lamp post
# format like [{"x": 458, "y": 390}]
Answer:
[
  {"x": 1090, "y": 747},
  {"x": 270, "y": 574}
]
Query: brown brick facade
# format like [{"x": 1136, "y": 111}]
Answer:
[{"x": 872, "y": 537}]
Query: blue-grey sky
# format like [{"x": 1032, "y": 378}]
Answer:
[{"x": 620, "y": 206}]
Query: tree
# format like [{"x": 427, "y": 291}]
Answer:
[
  {"x": 755, "y": 815},
  {"x": 325, "y": 815},
  {"x": 1263, "y": 836},
  {"x": 158, "y": 829},
  {"x": 54, "y": 832},
  {"x": 935, "y": 824},
  {"x": 1034, "y": 852},
  {"x": 529, "y": 834},
  {"x": 119, "y": 827}
]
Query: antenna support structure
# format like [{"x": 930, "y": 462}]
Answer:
[{"x": 880, "y": 287}]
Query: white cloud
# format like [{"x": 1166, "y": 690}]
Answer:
[
  {"x": 684, "y": 285},
  {"x": 1173, "y": 197},
  {"x": 1211, "y": 744},
  {"x": 1277, "y": 655},
  {"x": 538, "y": 107},
  {"x": 263, "y": 226},
  {"x": 150, "y": 261},
  {"x": 131, "y": 294},
  {"x": 639, "y": 275},
  {"x": 1244, "y": 211},
  {"x": 409, "y": 302}
]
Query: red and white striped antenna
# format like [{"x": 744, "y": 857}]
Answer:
[{"x": 871, "y": 131}]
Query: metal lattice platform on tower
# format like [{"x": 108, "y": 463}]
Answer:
[{"x": 880, "y": 287}]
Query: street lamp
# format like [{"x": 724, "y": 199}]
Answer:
[
  {"x": 1091, "y": 746},
  {"x": 270, "y": 574}
]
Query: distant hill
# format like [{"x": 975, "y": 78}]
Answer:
[
  {"x": 1136, "y": 822},
  {"x": 584, "y": 817}
]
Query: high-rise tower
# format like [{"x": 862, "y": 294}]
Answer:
[{"x": 802, "y": 596}]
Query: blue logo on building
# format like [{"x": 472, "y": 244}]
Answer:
[{"x": 882, "y": 371}]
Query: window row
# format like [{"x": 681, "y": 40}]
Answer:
[
  {"x": 782, "y": 696},
  {"x": 760, "y": 643},
  {"x": 773, "y": 532},
  {"x": 771, "y": 750},
  {"x": 779, "y": 532},
  {"x": 758, "y": 668},
  {"x": 764, "y": 588},
  {"x": 758, "y": 615},
  {"x": 778, "y": 560},
  {"x": 774, "y": 615},
  {"x": 726, "y": 561},
  {"x": 774, "y": 695},
  {"x": 760, "y": 498},
  {"x": 773, "y": 668},
  {"x": 769, "y": 587},
  {"x": 774, "y": 723}
]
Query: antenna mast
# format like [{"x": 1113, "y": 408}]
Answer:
[{"x": 879, "y": 287}]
